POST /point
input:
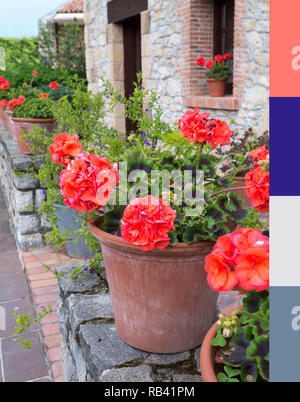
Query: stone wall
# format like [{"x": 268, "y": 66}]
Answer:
[
  {"x": 92, "y": 349},
  {"x": 165, "y": 49},
  {"x": 22, "y": 191}
]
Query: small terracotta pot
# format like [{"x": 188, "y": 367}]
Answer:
[
  {"x": 161, "y": 300},
  {"x": 217, "y": 87},
  {"x": 20, "y": 126},
  {"x": 208, "y": 352}
]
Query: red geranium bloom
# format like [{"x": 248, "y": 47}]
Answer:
[
  {"x": 252, "y": 269},
  {"x": 34, "y": 73},
  {"x": 21, "y": 98},
  {"x": 239, "y": 259},
  {"x": 54, "y": 85},
  {"x": 257, "y": 188},
  {"x": 43, "y": 96},
  {"x": 218, "y": 59},
  {"x": 13, "y": 103},
  {"x": 246, "y": 238},
  {"x": 200, "y": 61},
  {"x": 209, "y": 64},
  {"x": 88, "y": 181},
  {"x": 25, "y": 83},
  {"x": 3, "y": 104},
  {"x": 196, "y": 126},
  {"x": 259, "y": 154},
  {"x": 4, "y": 85},
  {"x": 65, "y": 145},
  {"x": 220, "y": 276},
  {"x": 227, "y": 56},
  {"x": 193, "y": 125},
  {"x": 220, "y": 134},
  {"x": 146, "y": 223}
]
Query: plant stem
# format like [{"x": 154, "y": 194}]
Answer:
[
  {"x": 201, "y": 149},
  {"x": 228, "y": 189},
  {"x": 252, "y": 315},
  {"x": 234, "y": 173}
]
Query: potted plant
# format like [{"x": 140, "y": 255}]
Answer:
[
  {"x": 236, "y": 348},
  {"x": 36, "y": 111},
  {"x": 154, "y": 246},
  {"x": 217, "y": 74}
]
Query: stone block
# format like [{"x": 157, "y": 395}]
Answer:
[
  {"x": 82, "y": 283},
  {"x": 84, "y": 308},
  {"x": 26, "y": 181},
  {"x": 128, "y": 374},
  {"x": 28, "y": 224},
  {"x": 103, "y": 348}
]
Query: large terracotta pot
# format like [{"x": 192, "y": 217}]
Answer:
[
  {"x": 161, "y": 300},
  {"x": 21, "y": 126},
  {"x": 217, "y": 87}
]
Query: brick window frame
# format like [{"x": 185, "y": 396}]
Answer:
[{"x": 197, "y": 19}]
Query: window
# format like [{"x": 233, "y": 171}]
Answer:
[{"x": 223, "y": 32}]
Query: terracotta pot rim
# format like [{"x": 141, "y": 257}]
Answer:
[
  {"x": 25, "y": 120},
  {"x": 118, "y": 242},
  {"x": 207, "y": 351},
  {"x": 216, "y": 79}
]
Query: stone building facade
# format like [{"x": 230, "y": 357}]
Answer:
[{"x": 173, "y": 34}]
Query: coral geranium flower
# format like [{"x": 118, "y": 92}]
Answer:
[
  {"x": 259, "y": 154},
  {"x": 220, "y": 276},
  {"x": 88, "y": 181},
  {"x": 65, "y": 145},
  {"x": 146, "y": 223},
  {"x": 197, "y": 127},
  {"x": 220, "y": 134},
  {"x": 252, "y": 269},
  {"x": 193, "y": 125},
  {"x": 257, "y": 189}
]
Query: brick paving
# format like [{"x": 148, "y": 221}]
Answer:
[{"x": 26, "y": 286}]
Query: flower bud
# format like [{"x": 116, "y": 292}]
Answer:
[{"x": 226, "y": 332}]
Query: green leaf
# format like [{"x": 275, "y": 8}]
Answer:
[
  {"x": 231, "y": 372},
  {"x": 222, "y": 377}
]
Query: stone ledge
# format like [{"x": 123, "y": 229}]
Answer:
[
  {"x": 207, "y": 102},
  {"x": 92, "y": 349},
  {"x": 22, "y": 191}
]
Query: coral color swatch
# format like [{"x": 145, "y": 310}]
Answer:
[{"x": 284, "y": 48}]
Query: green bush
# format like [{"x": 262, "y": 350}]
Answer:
[
  {"x": 20, "y": 74},
  {"x": 35, "y": 109},
  {"x": 20, "y": 52}
]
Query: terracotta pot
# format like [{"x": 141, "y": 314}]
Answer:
[
  {"x": 3, "y": 116},
  {"x": 161, "y": 300},
  {"x": 241, "y": 182},
  {"x": 21, "y": 126},
  {"x": 217, "y": 87},
  {"x": 207, "y": 356}
]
